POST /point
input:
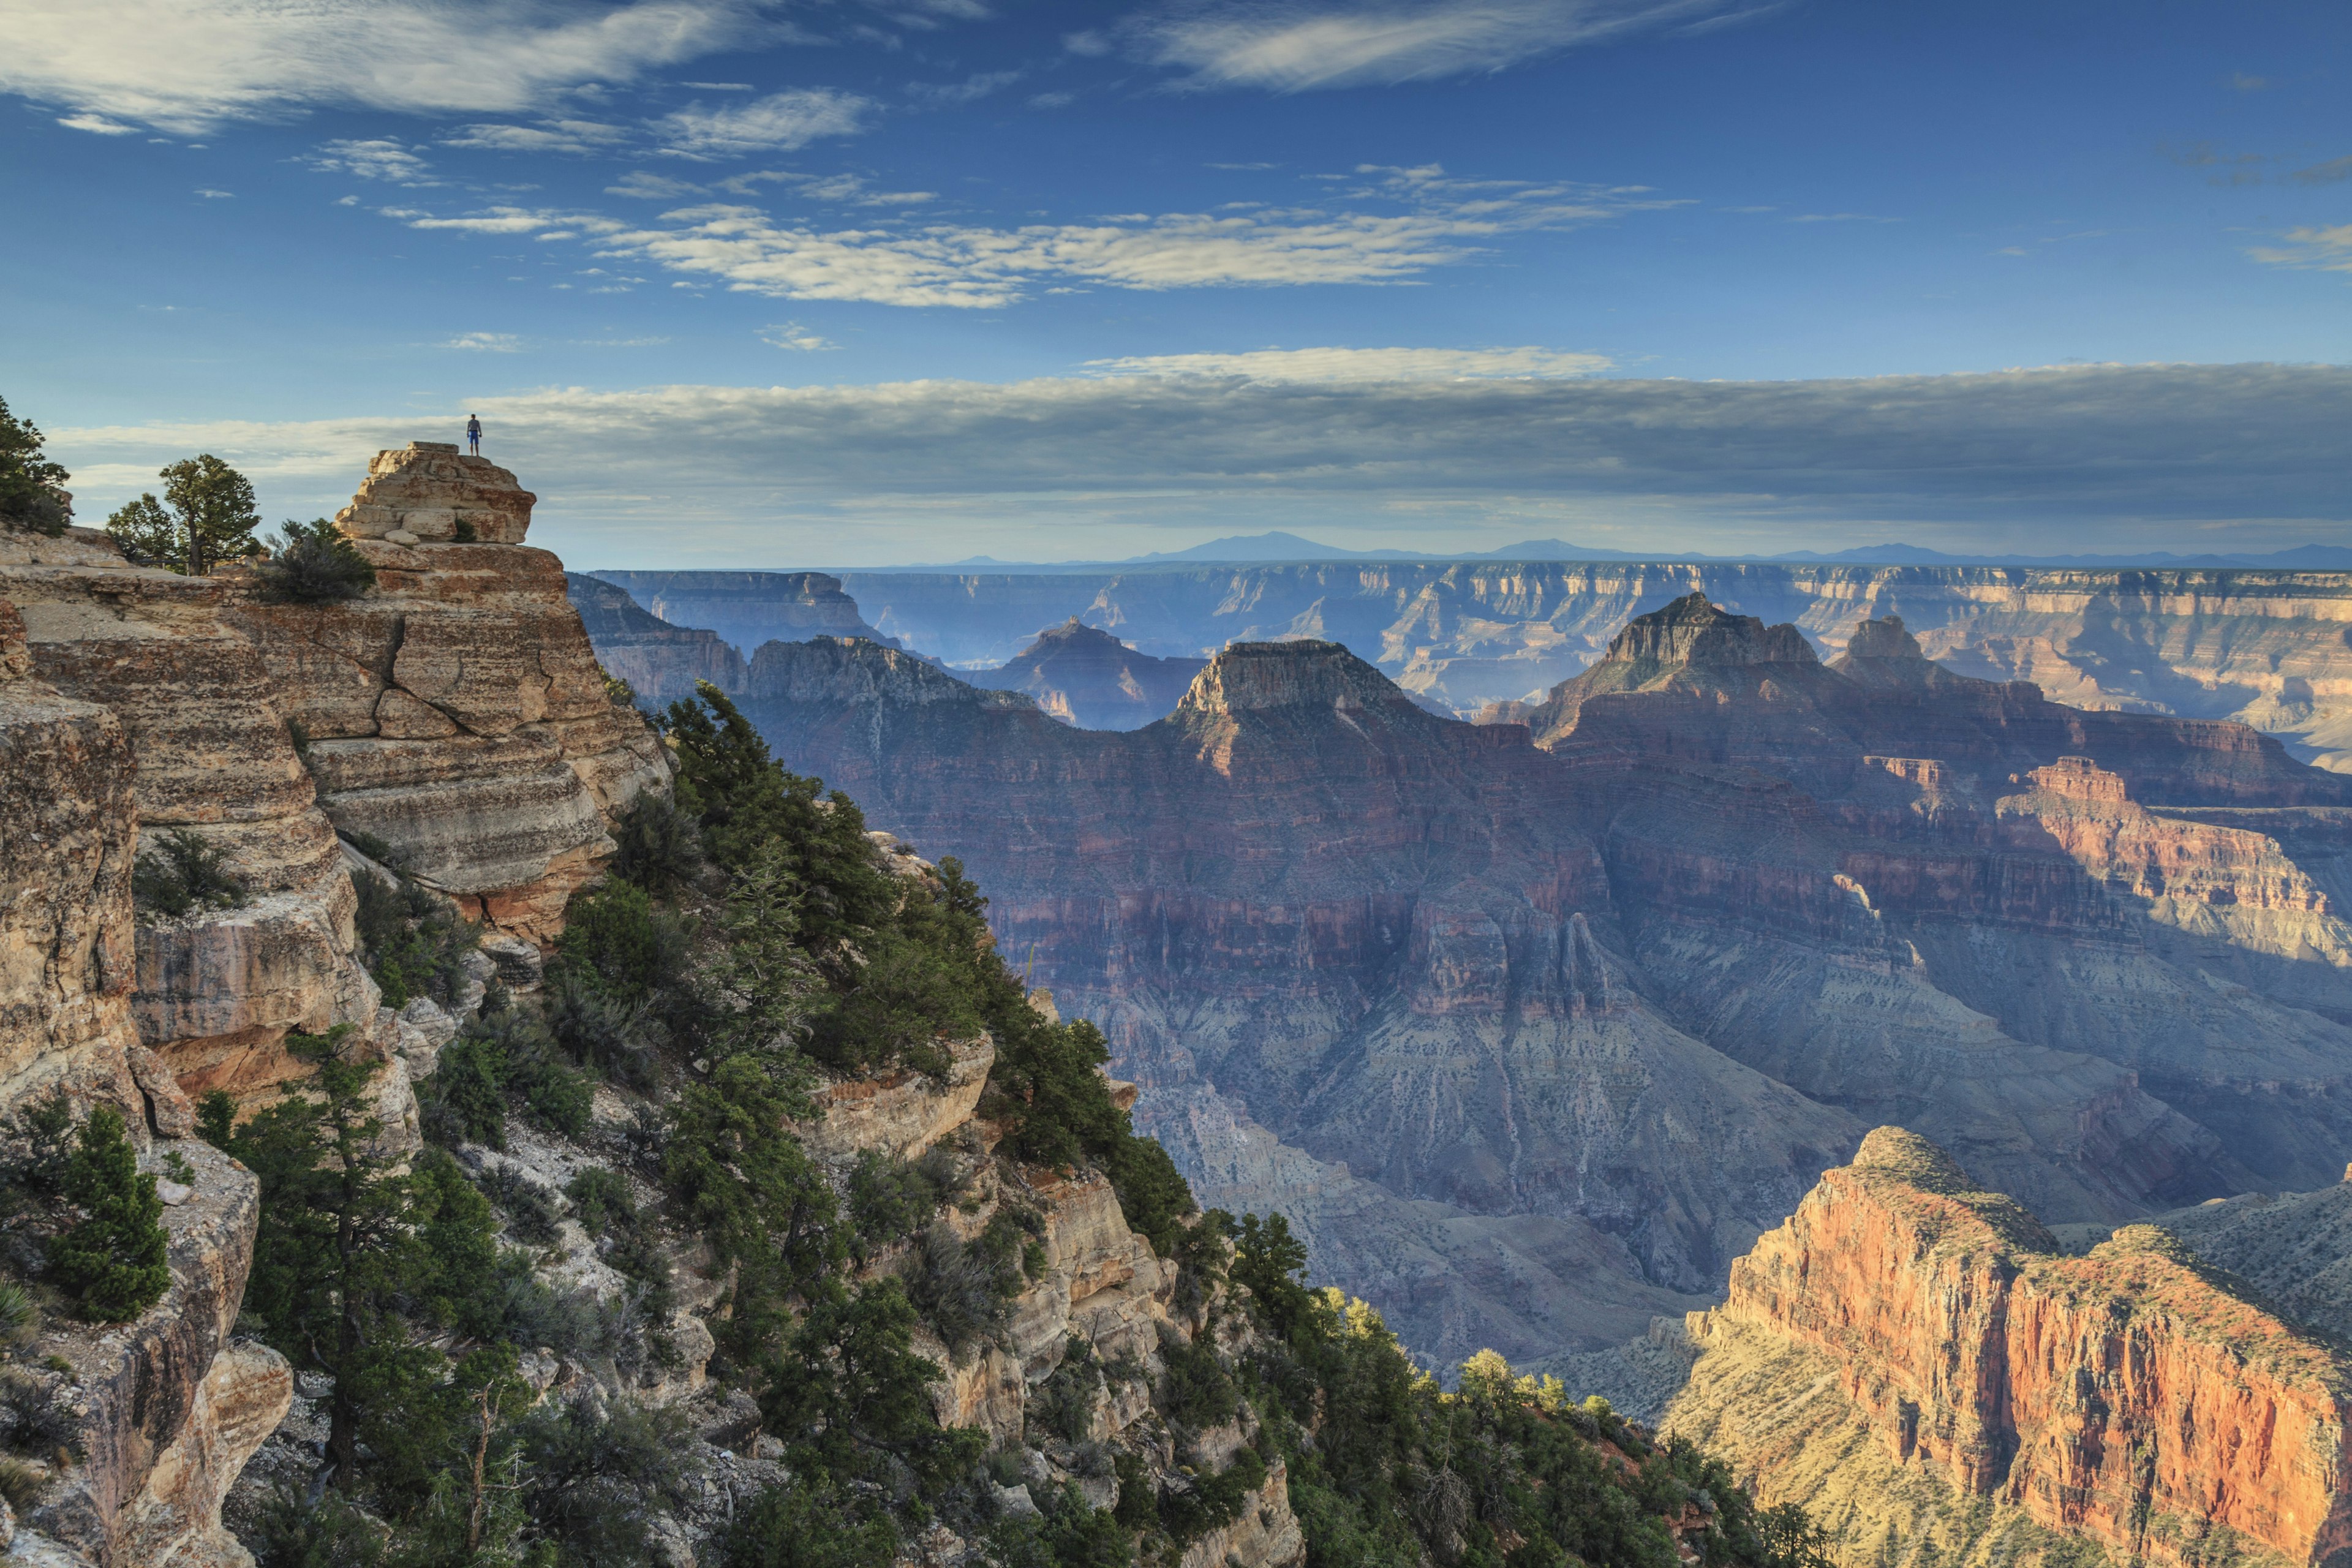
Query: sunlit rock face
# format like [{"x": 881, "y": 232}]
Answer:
[
  {"x": 2132, "y": 1396},
  {"x": 1533, "y": 1030}
]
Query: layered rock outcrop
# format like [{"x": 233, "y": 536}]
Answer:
[
  {"x": 2132, "y": 1396},
  {"x": 458, "y": 712},
  {"x": 1531, "y": 1040},
  {"x": 68, "y": 835}
]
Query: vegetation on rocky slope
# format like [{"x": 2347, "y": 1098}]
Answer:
[{"x": 754, "y": 947}]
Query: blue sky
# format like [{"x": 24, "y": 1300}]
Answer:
[{"x": 843, "y": 284}]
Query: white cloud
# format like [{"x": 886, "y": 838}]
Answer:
[
  {"x": 96, "y": 124},
  {"x": 379, "y": 158},
  {"x": 573, "y": 136},
  {"x": 212, "y": 196},
  {"x": 2319, "y": 249},
  {"x": 972, "y": 90},
  {"x": 2116, "y": 456},
  {"x": 1445, "y": 220},
  {"x": 652, "y": 187},
  {"x": 1365, "y": 364},
  {"x": 792, "y": 335},
  {"x": 1290, "y": 47},
  {"x": 1052, "y": 100},
  {"x": 778, "y": 122},
  {"x": 184, "y": 65},
  {"x": 485, "y": 342}
]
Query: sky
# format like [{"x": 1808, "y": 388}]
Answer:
[{"x": 778, "y": 285}]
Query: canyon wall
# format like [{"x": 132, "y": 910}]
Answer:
[
  {"x": 2265, "y": 646},
  {"x": 454, "y": 718},
  {"x": 1532, "y": 1039},
  {"x": 2134, "y": 1396}
]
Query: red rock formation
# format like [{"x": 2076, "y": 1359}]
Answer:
[
  {"x": 2114, "y": 1394},
  {"x": 660, "y": 662}
]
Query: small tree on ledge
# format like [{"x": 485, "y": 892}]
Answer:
[{"x": 114, "y": 1260}]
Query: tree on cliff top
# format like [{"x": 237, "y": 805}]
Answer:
[
  {"x": 206, "y": 516},
  {"x": 32, "y": 489}
]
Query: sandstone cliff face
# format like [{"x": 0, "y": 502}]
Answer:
[
  {"x": 67, "y": 837},
  {"x": 458, "y": 712},
  {"x": 2128, "y": 1395}
]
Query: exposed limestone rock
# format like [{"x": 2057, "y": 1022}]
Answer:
[
  {"x": 433, "y": 491},
  {"x": 458, "y": 712},
  {"x": 901, "y": 1115},
  {"x": 66, "y": 841},
  {"x": 2111, "y": 1394}
]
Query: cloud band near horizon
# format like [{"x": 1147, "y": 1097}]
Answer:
[{"x": 2126, "y": 457}]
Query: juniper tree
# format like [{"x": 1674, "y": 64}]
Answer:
[
  {"x": 206, "y": 516},
  {"x": 113, "y": 1260},
  {"x": 32, "y": 487}
]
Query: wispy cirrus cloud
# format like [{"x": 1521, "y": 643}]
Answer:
[
  {"x": 2319, "y": 249},
  {"x": 577, "y": 137},
  {"x": 1338, "y": 364},
  {"x": 1296, "y": 46},
  {"x": 376, "y": 158},
  {"x": 185, "y": 66},
  {"x": 779, "y": 122},
  {"x": 1434, "y": 219}
]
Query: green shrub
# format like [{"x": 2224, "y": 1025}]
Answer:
[
  {"x": 964, "y": 1289},
  {"x": 40, "y": 1141},
  {"x": 113, "y": 1261},
  {"x": 660, "y": 848},
  {"x": 597, "y": 1031},
  {"x": 891, "y": 1200},
  {"x": 601, "y": 1201},
  {"x": 315, "y": 564},
  {"x": 1139, "y": 1496},
  {"x": 1064, "y": 1403},
  {"x": 529, "y": 1208},
  {"x": 465, "y": 1101},
  {"x": 809, "y": 1522},
  {"x": 182, "y": 873},
  {"x": 413, "y": 943},
  {"x": 617, "y": 945}
]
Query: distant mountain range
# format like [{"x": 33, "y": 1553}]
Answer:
[{"x": 1259, "y": 547}]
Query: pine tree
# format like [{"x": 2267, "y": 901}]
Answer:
[
  {"x": 114, "y": 1259},
  {"x": 32, "y": 487}
]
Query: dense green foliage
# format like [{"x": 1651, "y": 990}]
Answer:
[
  {"x": 112, "y": 1260},
  {"x": 205, "y": 517},
  {"x": 313, "y": 564},
  {"x": 32, "y": 487},
  {"x": 414, "y": 941}
]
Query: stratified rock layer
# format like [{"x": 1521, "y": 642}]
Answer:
[
  {"x": 2129, "y": 1395},
  {"x": 660, "y": 662}
]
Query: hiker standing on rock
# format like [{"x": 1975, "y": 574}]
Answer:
[{"x": 474, "y": 435}]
